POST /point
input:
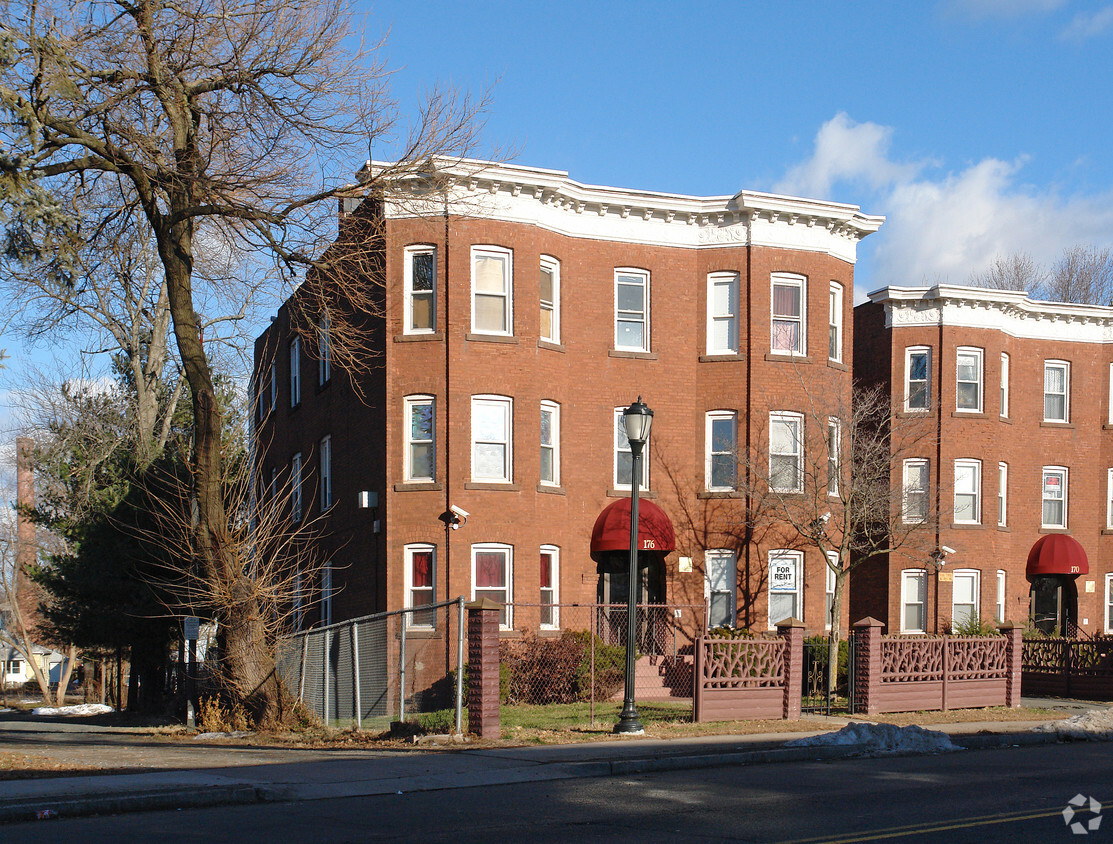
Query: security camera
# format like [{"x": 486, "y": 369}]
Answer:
[
  {"x": 460, "y": 512},
  {"x": 947, "y": 549},
  {"x": 825, "y": 517}
]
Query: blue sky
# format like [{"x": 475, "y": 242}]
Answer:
[{"x": 977, "y": 127}]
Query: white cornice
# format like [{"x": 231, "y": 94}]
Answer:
[
  {"x": 548, "y": 198},
  {"x": 1008, "y": 311}
]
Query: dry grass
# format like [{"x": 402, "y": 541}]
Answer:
[{"x": 21, "y": 766}]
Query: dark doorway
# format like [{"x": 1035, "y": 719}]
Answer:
[{"x": 1054, "y": 603}]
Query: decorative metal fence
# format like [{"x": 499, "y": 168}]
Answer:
[
  {"x": 1069, "y": 667},
  {"x": 822, "y": 693},
  {"x": 370, "y": 671}
]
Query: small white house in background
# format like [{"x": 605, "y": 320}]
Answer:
[{"x": 16, "y": 670}]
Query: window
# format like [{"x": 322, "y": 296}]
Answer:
[
  {"x": 550, "y": 443},
  {"x": 295, "y": 372},
  {"x": 834, "y": 324},
  {"x": 1056, "y": 389},
  {"x": 492, "y": 306},
  {"x": 631, "y": 310},
  {"x": 784, "y": 585},
  {"x": 421, "y": 426},
  {"x": 964, "y": 596},
  {"x": 491, "y": 576},
  {"x": 968, "y": 486},
  {"x": 917, "y": 388},
  {"x": 1109, "y": 499},
  {"x": 324, "y": 351},
  {"x": 326, "y": 473},
  {"x": 550, "y": 299},
  {"x": 550, "y": 591},
  {"x": 1002, "y": 578},
  {"x": 834, "y": 454},
  {"x": 832, "y": 560},
  {"x": 789, "y": 323},
  {"x": 420, "y": 308},
  {"x": 915, "y": 506},
  {"x": 326, "y": 595},
  {"x": 969, "y": 380},
  {"x": 268, "y": 392},
  {"x": 913, "y": 601},
  {"x": 1002, "y": 494},
  {"x": 722, "y": 314},
  {"x": 721, "y": 460},
  {"x": 1054, "y": 497},
  {"x": 1109, "y": 603},
  {"x": 295, "y": 487},
  {"x": 624, "y": 457},
  {"x": 421, "y": 591},
  {"x": 1004, "y": 384},
  {"x": 490, "y": 438},
  {"x": 786, "y": 452},
  {"x": 722, "y": 575}
]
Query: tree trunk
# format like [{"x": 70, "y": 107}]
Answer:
[{"x": 836, "y": 632}]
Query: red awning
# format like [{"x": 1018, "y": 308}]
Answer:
[
  {"x": 1057, "y": 553},
  {"x": 612, "y": 528}
]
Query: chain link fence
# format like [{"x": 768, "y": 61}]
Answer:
[{"x": 370, "y": 671}]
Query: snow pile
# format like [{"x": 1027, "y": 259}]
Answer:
[
  {"x": 877, "y": 739},
  {"x": 5, "y": 709},
  {"x": 1095, "y": 725},
  {"x": 232, "y": 734},
  {"x": 77, "y": 709}
]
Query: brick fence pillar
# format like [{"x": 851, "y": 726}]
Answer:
[
  {"x": 792, "y": 631},
  {"x": 1015, "y": 661},
  {"x": 867, "y": 666},
  {"x": 483, "y": 668}
]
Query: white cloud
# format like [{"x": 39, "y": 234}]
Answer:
[
  {"x": 942, "y": 226},
  {"x": 1088, "y": 25}
]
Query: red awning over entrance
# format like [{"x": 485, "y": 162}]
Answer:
[
  {"x": 612, "y": 528},
  {"x": 1057, "y": 553}
]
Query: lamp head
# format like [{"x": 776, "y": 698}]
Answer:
[{"x": 638, "y": 419}]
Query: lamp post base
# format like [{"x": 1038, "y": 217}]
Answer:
[{"x": 629, "y": 724}]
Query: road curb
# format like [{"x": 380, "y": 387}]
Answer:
[{"x": 135, "y": 801}]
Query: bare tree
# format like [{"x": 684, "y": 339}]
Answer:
[
  {"x": 212, "y": 119},
  {"x": 1018, "y": 271},
  {"x": 1083, "y": 275}
]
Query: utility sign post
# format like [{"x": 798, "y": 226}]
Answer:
[{"x": 191, "y": 626}]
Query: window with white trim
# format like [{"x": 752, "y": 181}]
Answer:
[
  {"x": 1109, "y": 499},
  {"x": 968, "y": 492},
  {"x": 295, "y": 487},
  {"x": 1056, "y": 391},
  {"x": 834, "y": 324},
  {"x": 324, "y": 352},
  {"x": 268, "y": 392},
  {"x": 492, "y": 576},
  {"x": 1004, "y": 384},
  {"x": 326, "y": 595},
  {"x": 295, "y": 372},
  {"x": 968, "y": 379},
  {"x": 1111, "y": 394},
  {"x": 832, "y": 560},
  {"x": 721, "y": 459},
  {"x": 491, "y": 439},
  {"x": 1109, "y": 603},
  {"x": 917, "y": 378},
  {"x": 786, "y": 452},
  {"x": 965, "y": 590},
  {"x": 420, "y": 300},
  {"x": 915, "y": 496},
  {"x": 722, "y": 314},
  {"x": 421, "y": 583},
  {"x": 913, "y": 601},
  {"x": 1002, "y": 494},
  {"x": 549, "y": 295},
  {"x": 1054, "y": 495},
  {"x": 721, "y": 579},
  {"x": 1002, "y": 582},
  {"x": 784, "y": 585},
  {"x": 492, "y": 299},
  {"x": 420, "y": 457},
  {"x": 631, "y": 310},
  {"x": 550, "y": 443},
  {"x": 326, "y": 472},
  {"x": 834, "y": 456},
  {"x": 624, "y": 455},
  {"x": 788, "y": 323},
  {"x": 550, "y": 587}
]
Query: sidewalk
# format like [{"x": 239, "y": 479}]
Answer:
[{"x": 225, "y": 775}]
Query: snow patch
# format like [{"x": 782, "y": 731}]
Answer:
[
  {"x": 878, "y": 739},
  {"x": 232, "y": 734},
  {"x": 5, "y": 709},
  {"x": 1095, "y": 725},
  {"x": 76, "y": 709}
]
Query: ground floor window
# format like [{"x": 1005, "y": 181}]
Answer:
[
  {"x": 550, "y": 571},
  {"x": 833, "y": 560},
  {"x": 492, "y": 575},
  {"x": 1109, "y": 603},
  {"x": 784, "y": 585},
  {"x": 913, "y": 600},
  {"x": 964, "y": 596},
  {"x": 421, "y": 569},
  {"x": 722, "y": 575}
]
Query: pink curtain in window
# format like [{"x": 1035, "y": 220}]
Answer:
[
  {"x": 423, "y": 569},
  {"x": 546, "y": 571},
  {"x": 489, "y": 570},
  {"x": 786, "y": 300}
]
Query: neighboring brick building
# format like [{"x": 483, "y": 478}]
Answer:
[
  {"x": 1019, "y": 392},
  {"x": 522, "y": 313}
]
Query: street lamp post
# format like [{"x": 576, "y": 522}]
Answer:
[{"x": 638, "y": 419}]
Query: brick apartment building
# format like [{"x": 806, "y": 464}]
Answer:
[
  {"x": 1018, "y": 393},
  {"x": 522, "y": 312}
]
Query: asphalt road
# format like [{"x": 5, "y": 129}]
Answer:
[{"x": 1009, "y": 795}]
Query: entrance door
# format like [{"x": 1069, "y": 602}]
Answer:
[
  {"x": 613, "y": 591},
  {"x": 1053, "y": 603}
]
